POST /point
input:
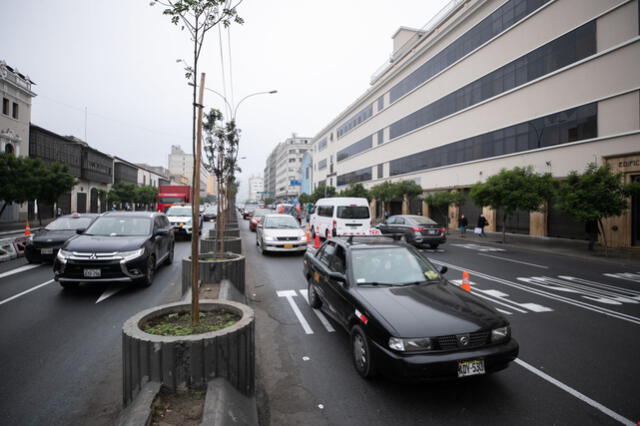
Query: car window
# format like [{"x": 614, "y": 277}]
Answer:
[
  {"x": 423, "y": 220},
  {"x": 325, "y": 211},
  {"x": 120, "y": 226},
  {"x": 179, "y": 211},
  {"x": 399, "y": 221},
  {"x": 327, "y": 253},
  {"x": 69, "y": 223},
  {"x": 165, "y": 221},
  {"x": 338, "y": 260},
  {"x": 157, "y": 223},
  {"x": 353, "y": 212},
  {"x": 280, "y": 222},
  {"x": 390, "y": 265}
]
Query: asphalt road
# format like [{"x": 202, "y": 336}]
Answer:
[
  {"x": 577, "y": 321},
  {"x": 61, "y": 351}
]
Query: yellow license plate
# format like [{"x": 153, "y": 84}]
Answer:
[{"x": 288, "y": 246}]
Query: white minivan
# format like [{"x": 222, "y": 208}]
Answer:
[{"x": 340, "y": 216}]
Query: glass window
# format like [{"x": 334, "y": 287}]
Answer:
[
  {"x": 69, "y": 223},
  {"x": 381, "y": 265},
  {"x": 120, "y": 226},
  {"x": 280, "y": 222},
  {"x": 179, "y": 211},
  {"x": 355, "y": 148},
  {"x": 353, "y": 212}
]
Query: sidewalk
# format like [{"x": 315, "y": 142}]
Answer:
[{"x": 560, "y": 246}]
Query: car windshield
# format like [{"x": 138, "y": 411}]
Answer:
[
  {"x": 260, "y": 213},
  {"x": 170, "y": 200},
  {"x": 179, "y": 211},
  {"x": 391, "y": 266},
  {"x": 422, "y": 220},
  {"x": 353, "y": 212},
  {"x": 69, "y": 223},
  {"x": 120, "y": 226},
  {"x": 277, "y": 222}
]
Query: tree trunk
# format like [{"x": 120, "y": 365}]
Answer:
[
  {"x": 195, "y": 308},
  {"x": 39, "y": 215},
  {"x": 604, "y": 238},
  {"x": 4, "y": 206},
  {"x": 504, "y": 227}
]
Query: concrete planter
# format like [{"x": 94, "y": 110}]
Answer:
[
  {"x": 214, "y": 271},
  {"x": 180, "y": 362},
  {"x": 228, "y": 232},
  {"x": 231, "y": 244}
]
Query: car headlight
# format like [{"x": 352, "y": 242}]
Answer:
[
  {"x": 500, "y": 334},
  {"x": 63, "y": 255},
  {"x": 130, "y": 255},
  {"x": 268, "y": 238},
  {"x": 409, "y": 345}
]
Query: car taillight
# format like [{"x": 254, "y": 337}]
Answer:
[
  {"x": 335, "y": 224},
  {"x": 442, "y": 230},
  {"x": 417, "y": 229}
]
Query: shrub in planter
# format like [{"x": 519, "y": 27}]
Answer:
[
  {"x": 232, "y": 244},
  {"x": 214, "y": 270},
  {"x": 180, "y": 362}
]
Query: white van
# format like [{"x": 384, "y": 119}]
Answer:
[{"x": 340, "y": 216}]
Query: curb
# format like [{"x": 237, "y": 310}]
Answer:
[
  {"x": 224, "y": 405},
  {"x": 139, "y": 411}
]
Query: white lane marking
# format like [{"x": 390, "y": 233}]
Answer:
[
  {"x": 634, "y": 294},
  {"x": 595, "y": 295},
  {"x": 575, "y": 393},
  {"x": 558, "y": 298},
  {"x": 289, "y": 295},
  {"x": 478, "y": 247},
  {"x": 25, "y": 292},
  {"x": 18, "y": 270},
  {"x": 625, "y": 276},
  {"x": 500, "y": 298},
  {"x": 319, "y": 314},
  {"x": 110, "y": 291},
  {"x": 513, "y": 260},
  {"x": 502, "y": 311}
]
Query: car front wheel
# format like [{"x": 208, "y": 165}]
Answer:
[
  {"x": 314, "y": 300},
  {"x": 169, "y": 259},
  {"x": 150, "y": 273},
  {"x": 362, "y": 353}
]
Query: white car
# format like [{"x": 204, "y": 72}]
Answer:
[
  {"x": 336, "y": 216},
  {"x": 180, "y": 218},
  {"x": 280, "y": 232}
]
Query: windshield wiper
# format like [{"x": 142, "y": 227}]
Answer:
[{"x": 376, "y": 284}]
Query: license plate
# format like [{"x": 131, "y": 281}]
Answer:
[
  {"x": 432, "y": 231},
  {"x": 46, "y": 251},
  {"x": 91, "y": 273},
  {"x": 470, "y": 368},
  {"x": 288, "y": 246}
]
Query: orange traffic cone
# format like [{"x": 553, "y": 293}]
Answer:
[
  {"x": 466, "y": 285},
  {"x": 308, "y": 234},
  {"x": 27, "y": 230},
  {"x": 316, "y": 242}
]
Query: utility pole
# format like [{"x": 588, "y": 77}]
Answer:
[{"x": 195, "y": 213}]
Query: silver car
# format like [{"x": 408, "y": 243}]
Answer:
[{"x": 280, "y": 232}]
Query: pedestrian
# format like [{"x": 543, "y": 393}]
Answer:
[
  {"x": 482, "y": 222},
  {"x": 58, "y": 211},
  {"x": 387, "y": 213},
  {"x": 462, "y": 225},
  {"x": 591, "y": 228}
]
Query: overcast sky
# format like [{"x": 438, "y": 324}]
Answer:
[{"x": 118, "y": 58}]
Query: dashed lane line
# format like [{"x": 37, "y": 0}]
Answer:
[
  {"x": 2, "y": 302},
  {"x": 514, "y": 260},
  {"x": 617, "y": 417},
  {"x": 320, "y": 315},
  {"x": 18, "y": 270},
  {"x": 289, "y": 295}
]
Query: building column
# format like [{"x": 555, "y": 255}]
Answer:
[
  {"x": 425, "y": 209},
  {"x": 538, "y": 222},
  {"x": 405, "y": 205},
  {"x": 491, "y": 215},
  {"x": 373, "y": 208},
  {"x": 454, "y": 214}
]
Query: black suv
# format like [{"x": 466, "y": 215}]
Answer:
[
  {"x": 118, "y": 246},
  {"x": 404, "y": 318}
]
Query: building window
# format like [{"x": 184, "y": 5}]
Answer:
[
  {"x": 15, "y": 111},
  {"x": 322, "y": 164},
  {"x": 380, "y": 171},
  {"x": 380, "y": 136},
  {"x": 355, "y": 148},
  {"x": 571, "y": 47},
  {"x": 9, "y": 149},
  {"x": 322, "y": 144},
  {"x": 355, "y": 121},
  {"x": 380, "y": 103},
  {"x": 555, "y": 129},
  {"x": 355, "y": 176},
  {"x": 5, "y": 106}
]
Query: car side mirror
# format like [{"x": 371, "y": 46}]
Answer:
[
  {"x": 337, "y": 276},
  {"x": 80, "y": 231},
  {"x": 443, "y": 270}
]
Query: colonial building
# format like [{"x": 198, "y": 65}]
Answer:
[
  {"x": 16, "y": 93},
  {"x": 493, "y": 84}
]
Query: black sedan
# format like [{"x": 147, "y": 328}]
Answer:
[
  {"x": 118, "y": 246},
  {"x": 417, "y": 230},
  {"x": 44, "y": 244},
  {"x": 405, "y": 320}
]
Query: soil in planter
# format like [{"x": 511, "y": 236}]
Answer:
[
  {"x": 179, "y": 324},
  {"x": 183, "y": 408}
]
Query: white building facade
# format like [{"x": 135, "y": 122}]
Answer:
[
  {"x": 181, "y": 164},
  {"x": 493, "y": 84},
  {"x": 256, "y": 188},
  {"x": 288, "y": 167}
]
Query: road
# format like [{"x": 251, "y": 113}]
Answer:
[
  {"x": 61, "y": 357},
  {"x": 577, "y": 322}
]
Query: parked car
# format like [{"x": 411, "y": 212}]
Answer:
[
  {"x": 416, "y": 230},
  {"x": 210, "y": 213},
  {"x": 280, "y": 232},
  {"x": 404, "y": 319},
  {"x": 248, "y": 209},
  {"x": 43, "y": 245},
  {"x": 117, "y": 246},
  {"x": 181, "y": 218},
  {"x": 257, "y": 216},
  {"x": 340, "y": 216}
]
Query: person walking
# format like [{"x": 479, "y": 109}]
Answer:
[
  {"x": 591, "y": 228},
  {"x": 482, "y": 222},
  {"x": 462, "y": 225}
]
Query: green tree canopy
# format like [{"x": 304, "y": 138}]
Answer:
[
  {"x": 122, "y": 193},
  {"x": 596, "y": 194},
  {"x": 355, "y": 190},
  {"x": 517, "y": 189},
  {"x": 270, "y": 200},
  {"x": 55, "y": 181},
  {"x": 384, "y": 192},
  {"x": 323, "y": 191},
  {"x": 145, "y": 194},
  {"x": 408, "y": 189}
]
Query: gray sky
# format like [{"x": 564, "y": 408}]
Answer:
[{"x": 118, "y": 59}]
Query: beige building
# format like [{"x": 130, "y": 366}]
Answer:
[
  {"x": 15, "y": 116},
  {"x": 181, "y": 164},
  {"x": 288, "y": 166},
  {"x": 493, "y": 84}
]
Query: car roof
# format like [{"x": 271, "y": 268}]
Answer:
[
  {"x": 79, "y": 215},
  {"x": 356, "y": 241},
  {"x": 132, "y": 214},
  {"x": 278, "y": 215},
  {"x": 342, "y": 201}
]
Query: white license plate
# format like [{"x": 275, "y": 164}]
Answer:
[
  {"x": 432, "y": 232},
  {"x": 470, "y": 368},
  {"x": 92, "y": 273},
  {"x": 46, "y": 251}
]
